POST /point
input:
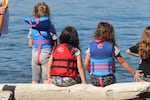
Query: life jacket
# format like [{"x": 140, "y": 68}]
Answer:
[
  {"x": 101, "y": 58},
  {"x": 64, "y": 62},
  {"x": 41, "y": 28}
]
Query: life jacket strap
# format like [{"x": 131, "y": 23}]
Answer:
[
  {"x": 56, "y": 59},
  {"x": 34, "y": 24},
  {"x": 65, "y": 67},
  {"x": 104, "y": 66},
  {"x": 40, "y": 43},
  {"x": 101, "y": 82},
  {"x": 92, "y": 67},
  {"x": 68, "y": 64}
]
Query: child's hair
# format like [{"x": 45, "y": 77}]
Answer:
[
  {"x": 69, "y": 35},
  {"x": 144, "y": 45},
  {"x": 41, "y": 9},
  {"x": 105, "y": 31}
]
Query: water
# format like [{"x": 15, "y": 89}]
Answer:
[{"x": 129, "y": 18}]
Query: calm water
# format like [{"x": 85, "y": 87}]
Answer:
[{"x": 129, "y": 18}]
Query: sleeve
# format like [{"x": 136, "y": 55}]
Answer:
[
  {"x": 53, "y": 32},
  {"x": 32, "y": 21},
  {"x": 77, "y": 52},
  {"x": 134, "y": 48},
  {"x": 117, "y": 50},
  {"x": 30, "y": 33},
  {"x": 87, "y": 51}
]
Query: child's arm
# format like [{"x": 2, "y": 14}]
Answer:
[
  {"x": 49, "y": 68},
  {"x": 30, "y": 42},
  {"x": 3, "y": 6},
  {"x": 87, "y": 62},
  {"x": 133, "y": 50},
  {"x": 128, "y": 51},
  {"x": 125, "y": 64},
  {"x": 81, "y": 69}
]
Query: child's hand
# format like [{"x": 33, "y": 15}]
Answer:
[
  {"x": 137, "y": 75},
  {"x": 49, "y": 80}
]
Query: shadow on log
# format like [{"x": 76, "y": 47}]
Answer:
[{"x": 10, "y": 88}]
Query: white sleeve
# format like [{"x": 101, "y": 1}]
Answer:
[
  {"x": 54, "y": 36},
  {"x": 77, "y": 52},
  {"x": 30, "y": 33},
  {"x": 117, "y": 50},
  {"x": 87, "y": 51}
]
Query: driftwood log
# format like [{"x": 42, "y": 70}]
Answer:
[{"x": 117, "y": 91}]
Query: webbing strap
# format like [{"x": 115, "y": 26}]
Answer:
[
  {"x": 104, "y": 66},
  {"x": 101, "y": 81},
  {"x": 92, "y": 66},
  {"x": 36, "y": 22},
  {"x": 68, "y": 63},
  {"x": 56, "y": 59},
  {"x": 68, "y": 66},
  {"x": 64, "y": 67},
  {"x": 40, "y": 42}
]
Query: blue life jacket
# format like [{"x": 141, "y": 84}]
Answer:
[
  {"x": 101, "y": 58},
  {"x": 41, "y": 28}
]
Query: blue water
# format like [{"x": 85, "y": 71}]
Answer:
[{"x": 129, "y": 18}]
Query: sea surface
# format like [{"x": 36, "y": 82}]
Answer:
[{"x": 129, "y": 18}]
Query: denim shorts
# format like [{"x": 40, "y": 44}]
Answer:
[
  {"x": 103, "y": 80},
  {"x": 65, "y": 81},
  {"x": 40, "y": 71}
]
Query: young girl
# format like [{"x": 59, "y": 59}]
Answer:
[
  {"x": 99, "y": 59},
  {"x": 66, "y": 62},
  {"x": 42, "y": 38},
  {"x": 142, "y": 50}
]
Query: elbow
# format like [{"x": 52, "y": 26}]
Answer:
[
  {"x": 127, "y": 51},
  {"x": 87, "y": 66}
]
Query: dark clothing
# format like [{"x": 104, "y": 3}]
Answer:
[
  {"x": 145, "y": 63},
  {"x": 103, "y": 81}
]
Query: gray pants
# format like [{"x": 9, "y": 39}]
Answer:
[{"x": 40, "y": 70}]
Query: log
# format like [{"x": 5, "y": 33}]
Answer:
[
  {"x": 117, "y": 91},
  {"x": 5, "y": 95}
]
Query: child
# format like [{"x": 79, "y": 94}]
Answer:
[
  {"x": 65, "y": 62},
  {"x": 42, "y": 38},
  {"x": 142, "y": 50},
  {"x": 99, "y": 59}
]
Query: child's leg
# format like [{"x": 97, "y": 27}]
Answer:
[
  {"x": 45, "y": 54},
  {"x": 36, "y": 69}
]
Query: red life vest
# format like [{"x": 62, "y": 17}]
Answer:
[{"x": 64, "y": 62}]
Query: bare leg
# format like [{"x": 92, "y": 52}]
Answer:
[
  {"x": 45, "y": 81},
  {"x": 35, "y": 82}
]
